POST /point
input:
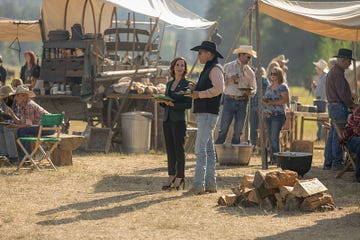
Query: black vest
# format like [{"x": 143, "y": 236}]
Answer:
[{"x": 207, "y": 105}]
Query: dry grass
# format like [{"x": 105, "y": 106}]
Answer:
[{"x": 118, "y": 196}]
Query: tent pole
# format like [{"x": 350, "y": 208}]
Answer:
[
  {"x": 259, "y": 88},
  {"x": 355, "y": 73}
]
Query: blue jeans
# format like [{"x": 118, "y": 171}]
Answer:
[
  {"x": 232, "y": 109},
  {"x": 29, "y": 132},
  {"x": 254, "y": 124},
  {"x": 354, "y": 147},
  {"x": 205, "y": 176},
  {"x": 333, "y": 153},
  {"x": 7, "y": 142},
  {"x": 274, "y": 125}
]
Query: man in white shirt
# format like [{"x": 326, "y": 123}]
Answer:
[{"x": 240, "y": 84}]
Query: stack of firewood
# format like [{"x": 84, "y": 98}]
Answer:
[{"x": 279, "y": 189}]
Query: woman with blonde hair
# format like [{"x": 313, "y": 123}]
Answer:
[{"x": 276, "y": 97}]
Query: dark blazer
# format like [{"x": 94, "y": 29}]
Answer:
[{"x": 177, "y": 112}]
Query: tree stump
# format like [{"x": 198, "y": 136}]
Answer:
[{"x": 62, "y": 155}]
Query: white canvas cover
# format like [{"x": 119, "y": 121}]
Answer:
[
  {"x": 62, "y": 14},
  {"x": 339, "y": 20},
  {"x": 25, "y": 31}
]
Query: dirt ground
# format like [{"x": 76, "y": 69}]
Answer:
[{"x": 117, "y": 196}]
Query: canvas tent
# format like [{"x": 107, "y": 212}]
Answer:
[
  {"x": 96, "y": 17},
  {"x": 25, "y": 31},
  {"x": 339, "y": 20},
  {"x": 63, "y": 14}
]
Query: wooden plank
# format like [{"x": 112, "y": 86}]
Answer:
[
  {"x": 306, "y": 188},
  {"x": 276, "y": 179},
  {"x": 316, "y": 201}
]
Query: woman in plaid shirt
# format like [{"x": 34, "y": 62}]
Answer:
[
  {"x": 28, "y": 116},
  {"x": 351, "y": 138}
]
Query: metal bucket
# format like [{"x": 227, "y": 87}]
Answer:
[
  {"x": 136, "y": 132},
  {"x": 233, "y": 154}
]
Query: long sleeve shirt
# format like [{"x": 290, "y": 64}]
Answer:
[
  {"x": 337, "y": 87},
  {"x": 217, "y": 79},
  {"x": 352, "y": 128}
]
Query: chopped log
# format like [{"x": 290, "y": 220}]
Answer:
[
  {"x": 284, "y": 191},
  {"x": 306, "y": 188},
  {"x": 267, "y": 203},
  {"x": 260, "y": 175},
  {"x": 228, "y": 200},
  {"x": 292, "y": 203},
  {"x": 264, "y": 192},
  {"x": 280, "y": 178},
  {"x": 280, "y": 202},
  {"x": 315, "y": 202},
  {"x": 253, "y": 196},
  {"x": 247, "y": 181},
  {"x": 236, "y": 190}
]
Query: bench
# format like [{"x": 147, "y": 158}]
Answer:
[{"x": 62, "y": 155}]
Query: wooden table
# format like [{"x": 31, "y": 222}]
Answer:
[{"x": 304, "y": 116}]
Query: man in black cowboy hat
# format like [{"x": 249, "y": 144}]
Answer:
[
  {"x": 206, "y": 95},
  {"x": 339, "y": 101}
]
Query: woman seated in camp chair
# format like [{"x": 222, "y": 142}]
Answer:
[
  {"x": 27, "y": 117},
  {"x": 351, "y": 138}
]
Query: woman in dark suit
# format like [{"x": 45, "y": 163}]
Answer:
[{"x": 174, "y": 123}]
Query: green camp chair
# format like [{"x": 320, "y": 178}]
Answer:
[{"x": 44, "y": 145}]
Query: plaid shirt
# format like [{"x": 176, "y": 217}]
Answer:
[
  {"x": 31, "y": 111},
  {"x": 352, "y": 128}
]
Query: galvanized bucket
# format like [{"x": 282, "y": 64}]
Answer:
[{"x": 233, "y": 154}]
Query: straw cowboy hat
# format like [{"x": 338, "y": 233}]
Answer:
[
  {"x": 245, "y": 49},
  {"x": 281, "y": 58},
  {"x": 23, "y": 89},
  {"x": 6, "y": 91},
  {"x": 208, "y": 46},
  {"x": 322, "y": 64},
  {"x": 344, "y": 53}
]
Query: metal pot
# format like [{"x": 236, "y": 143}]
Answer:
[
  {"x": 233, "y": 154},
  {"x": 299, "y": 162},
  {"x": 321, "y": 105}
]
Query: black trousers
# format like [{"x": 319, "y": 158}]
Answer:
[{"x": 174, "y": 133}]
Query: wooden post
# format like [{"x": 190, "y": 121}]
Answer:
[{"x": 264, "y": 164}]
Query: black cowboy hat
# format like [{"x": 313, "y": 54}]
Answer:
[
  {"x": 345, "y": 53},
  {"x": 209, "y": 46}
]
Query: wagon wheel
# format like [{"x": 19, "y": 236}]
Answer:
[{"x": 111, "y": 110}]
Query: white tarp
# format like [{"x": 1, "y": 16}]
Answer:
[
  {"x": 96, "y": 15},
  {"x": 339, "y": 20},
  {"x": 24, "y": 31}
]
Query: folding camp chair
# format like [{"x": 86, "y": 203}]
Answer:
[
  {"x": 339, "y": 127},
  {"x": 44, "y": 145}
]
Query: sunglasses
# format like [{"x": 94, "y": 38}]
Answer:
[{"x": 273, "y": 74}]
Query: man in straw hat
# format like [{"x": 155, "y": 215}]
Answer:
[
  {"x": 240, "y": 84},
  {"x": 207, "y": 96},
  {"x": 339, "y": 102},
  {"x": 28, "y": 117},
  {"x": 319, "y": 89},
  {"x": 282, "y": 61},
  {"x": 7, "y": 135}
]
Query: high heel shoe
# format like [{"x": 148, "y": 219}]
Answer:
[
  {"x": 182, "y": 182},
  {"x": 166, "y": 187}
]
